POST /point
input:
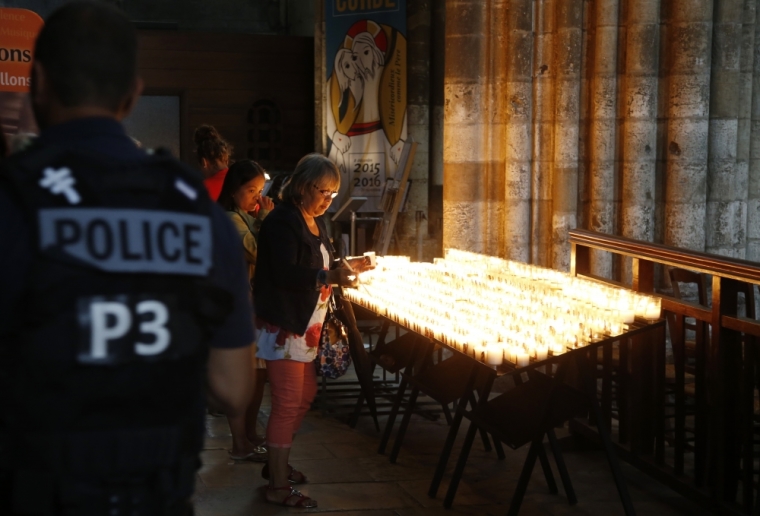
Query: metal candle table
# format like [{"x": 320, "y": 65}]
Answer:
[{"x": 542, "y": 398}]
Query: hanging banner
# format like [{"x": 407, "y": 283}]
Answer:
[
  {"x": 18, "y": 32},
  {"x": 365, "y": 41}
]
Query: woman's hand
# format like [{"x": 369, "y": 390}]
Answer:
[
  {"x": 360, "y": 264},
  {"x": 341, "y": 277},
  {"x": 265, "y": 206}
]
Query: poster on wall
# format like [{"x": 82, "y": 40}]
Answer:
[
  {"x": 365, "y": 41},
  {"x": 18, "y": 32}
]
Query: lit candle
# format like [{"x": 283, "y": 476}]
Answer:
[
  {"x": 494, "y": 353},
  {"x": 522, "y": 359}
]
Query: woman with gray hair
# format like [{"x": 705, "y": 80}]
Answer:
[{"x": 295, "y": 269}]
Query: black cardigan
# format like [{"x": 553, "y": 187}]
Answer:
[{"x": 285, "y": 288}]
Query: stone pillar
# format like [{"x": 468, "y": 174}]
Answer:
[
  {"x": 465, "y": 213},
  {"x": 567, "y": 117},
  {"x": 726, "y": 181},
  {"x": 753, "y": 201},
  {"x": 639, "y": 112},
  {"x": 518, "y": 32},
  {"x": 543, "y": 132},
  {"x": 437, "y": 66},
  {"x": 602, "y": 126},
  {"x": 495, "y": 132},
  {"x": 418, "y": 121},
  {"x": 745, "y": 114},
  {"x": 688, "y": 69}
]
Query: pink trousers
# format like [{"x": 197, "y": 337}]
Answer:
[{"x": 293, "y": 386}]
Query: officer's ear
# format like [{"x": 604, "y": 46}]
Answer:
[
  {"x": 39, "y": 88},
  {"x": 130, "y": 99}
]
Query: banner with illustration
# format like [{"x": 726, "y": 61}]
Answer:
[{"x": 365, "y": 41}]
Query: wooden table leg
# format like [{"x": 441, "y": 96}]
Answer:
[{"x": 527, "y": 471}]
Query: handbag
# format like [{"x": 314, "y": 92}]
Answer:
[{"x": 333, "y": 356}]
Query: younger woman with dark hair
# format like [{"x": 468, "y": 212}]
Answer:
[
  {"x": 214, "y": 154},
  {"x": 240, "y": 196}
]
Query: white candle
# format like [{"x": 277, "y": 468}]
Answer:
[
  {"x": 652, "y": 311},
  {"x": 494, "y": 353},
  {"x": 522, "y": 359},
  {"x": 541, "y": 352}
]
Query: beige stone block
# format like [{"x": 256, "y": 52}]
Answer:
[
  {"x": 518, "y": 142},
  {"x": 727, "y": 47},
  {"x": 518, "y": 101},
  {"x": 686, "y": 183},
  {"x": 464, "y": 102},
  {"x": 642, "y": 57},
  {"x": 638, "y": 221},
  {"x": 607, "y": 15},
  {"x": 603, "y": 140},
  {"x": 520, "y": 55},
  {"x": 604, "y": 99},
  {"x": 753, "y": 221},
  {"x": 418, "y": 116},
  {"x": 601, "y": 186},
  {"x": 723, "y": 139},
  {"x": 748, "y": 42},
  {"x": 517, "y": 180},
  {"x": 640, "y": 96},
  {"x": 466, "y": 55},
  {"x": 566, "y": 142},
  {"x": 463, "y": 225},
  {"x": 464, "y": 182},
  {"x": 754, "y": 140},
  {"x": 690, "y": 51},
  {"x": 689, "y": 10},
  {"x": 543, "y": 141},
  {"x": 465, "y": 143},
  {"x": 568, "y": 100},
  {"x": 725, "y": 94},
  {"x": 568, "y": 56},
  {"x": 684, "y": 225},
  {"x": 639, "y": 140},
  {"x": 638, "y": 183},
  {"x": 642, "y": 11},
  {"x": 745, "y": 95},
  {"x": 541, "y": 181},
  {"x": 753, "y": 180},
  {"x": 723, "y": 224},
  {"x": 602, "y": 216},
  {"x": 721, "y": 177},
  {"x": 465, "y": 17},
  {"x": 688, "y": 140},
  {"x": 689, "y": 96}
]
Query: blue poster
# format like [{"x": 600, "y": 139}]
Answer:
[{"x": 365, "y": 41}]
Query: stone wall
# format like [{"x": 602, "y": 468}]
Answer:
[{"x": 630, "y": 117}]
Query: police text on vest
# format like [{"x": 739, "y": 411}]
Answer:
[{"x": 129, "y": 240}]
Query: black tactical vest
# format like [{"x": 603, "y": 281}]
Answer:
[{"x": 104, "y": 370}]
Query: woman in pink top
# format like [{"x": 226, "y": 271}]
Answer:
[{"x": 213, "y": 153}]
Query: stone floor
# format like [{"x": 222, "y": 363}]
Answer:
[{"x": 347, "y": 476}]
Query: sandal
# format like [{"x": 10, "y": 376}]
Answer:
[
  {"x": 293, "y": 499},
  {"x": 259, "y": 454},
  {"x": 294, "y": 476}
]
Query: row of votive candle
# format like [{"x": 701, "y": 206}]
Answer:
[{"x": 495, "y": 309}]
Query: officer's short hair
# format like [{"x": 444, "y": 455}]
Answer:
[
  {"x": 89, "y": 53},
  {"x": 313, "y": 169}
]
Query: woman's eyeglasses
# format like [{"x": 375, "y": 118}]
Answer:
[{"x": 327, "y": 194}]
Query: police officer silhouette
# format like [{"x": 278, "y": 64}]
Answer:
[{"x": 123, "y": 294}]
